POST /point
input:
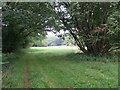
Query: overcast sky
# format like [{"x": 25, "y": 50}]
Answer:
[{"x": 52, "y": 34}]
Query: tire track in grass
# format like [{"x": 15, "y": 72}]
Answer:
[{"x": 26, "y": 75}]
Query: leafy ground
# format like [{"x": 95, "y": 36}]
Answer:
[{"x": 60, "y": 68}]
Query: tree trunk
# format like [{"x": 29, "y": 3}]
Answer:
[{"x": 97, "y": 48}]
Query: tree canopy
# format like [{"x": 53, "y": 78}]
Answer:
[
  {"x": 93, "y": 25},
  {"x": 23, "y": 21}
]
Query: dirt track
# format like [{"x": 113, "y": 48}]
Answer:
[{"x": 26, "y": 75}]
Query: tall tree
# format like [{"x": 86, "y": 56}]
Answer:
[
  {"x": 23, "y": 20},
  {"x": 89, "y": 24}
]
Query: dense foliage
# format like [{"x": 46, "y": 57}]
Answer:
[
  {"x": 94, "y": 26},
  {"x": 23, "y": 21}
]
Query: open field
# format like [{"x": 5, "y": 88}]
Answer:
[{"x": 54, "y": 67}]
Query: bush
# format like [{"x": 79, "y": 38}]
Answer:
[{"x": 8, "y": 59}]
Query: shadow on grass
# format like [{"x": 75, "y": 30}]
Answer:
[{"x": 82, "y": 57}]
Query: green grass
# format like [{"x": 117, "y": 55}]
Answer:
[{"x": 61, "y": 68}]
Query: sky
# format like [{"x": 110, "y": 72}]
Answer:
[{"x": 52, "y": 34}]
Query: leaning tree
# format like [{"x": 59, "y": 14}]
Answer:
[{"x": 93, "y": 25}]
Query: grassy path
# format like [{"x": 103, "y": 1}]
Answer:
[
  {"x": 27, "y": 83},
  {"x": 61, "y": 68}
]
